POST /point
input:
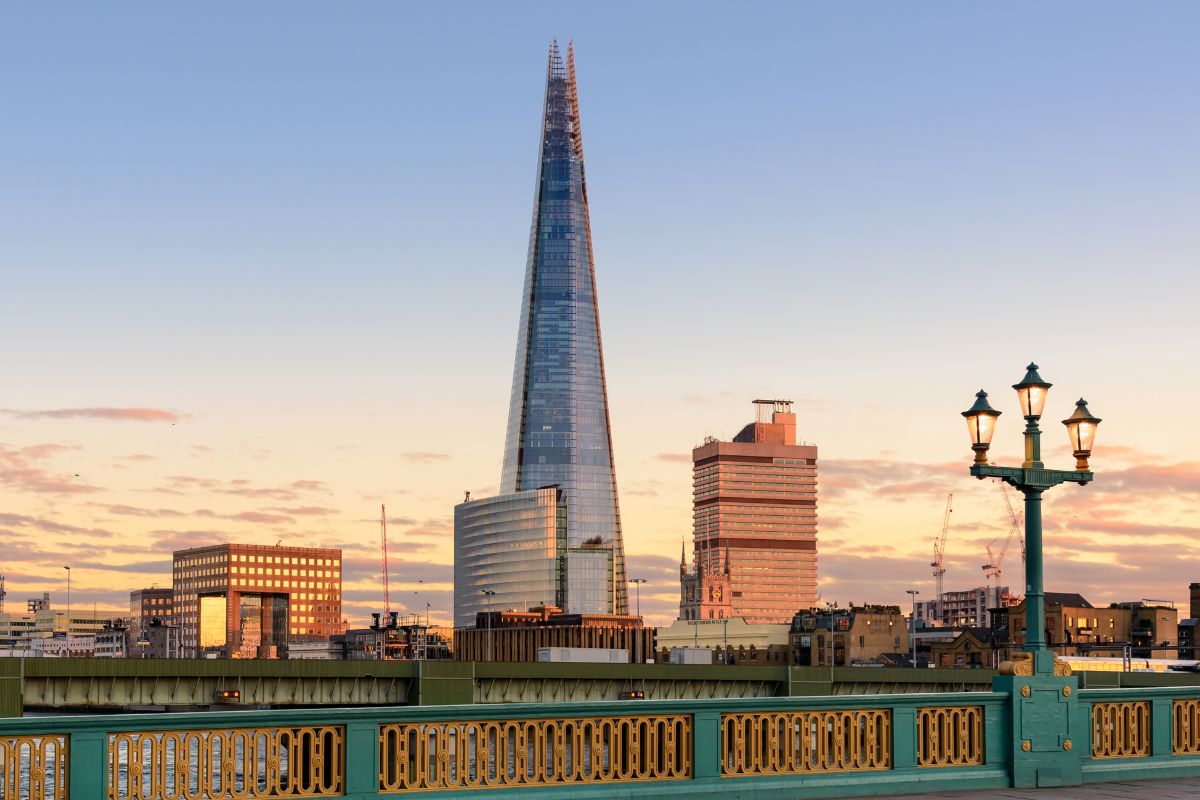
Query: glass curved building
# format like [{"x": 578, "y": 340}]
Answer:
[{"x": 558, "y": 424}]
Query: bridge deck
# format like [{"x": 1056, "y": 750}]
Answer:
[{"x": 1185, "y": 788}]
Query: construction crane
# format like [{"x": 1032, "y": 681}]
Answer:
[
  {"x": 997, "y": 549},
  {"x": 938, "y": 564},
  {"x": 387, "y": 594},
  {"x": 2, "y": 592}
]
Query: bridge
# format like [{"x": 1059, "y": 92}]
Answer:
[
  {"x": 51, "y": 684},
  {"x": 1038, "y": 730}
]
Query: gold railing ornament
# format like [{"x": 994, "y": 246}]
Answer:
[
  {"x": 950, "y": 736},
  {"x": 1121, "y": 729},
  {"x": 227, "y": 763},
  {"x": 35, "y": 764},
  {"x": 415, "y": 756},
  {"x": 805, "y": 741},
  {"x": 1185, "y": 727}
]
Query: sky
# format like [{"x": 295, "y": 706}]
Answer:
[{"x": 260, "y": 273}]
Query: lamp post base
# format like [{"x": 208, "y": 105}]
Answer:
[{"x": 1048, "y": 741}]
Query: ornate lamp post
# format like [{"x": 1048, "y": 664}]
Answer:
[{"x": 1032, "y": 479}]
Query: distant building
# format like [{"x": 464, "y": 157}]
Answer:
[
  {"x": 972, "y": 648},
  {"x": 44, "y": 621},
  {"x": 730, "y": 640},
  {"x": 112, "y": 642},
  {"x": 754, "y": 521},
  {"x": 517, "y": 635},
  {"x": 250, "y": 601},
  {"x": 146, "y": 605},
  {"x": 704, "y": 590},
  {"x": 844, "y": 637},
  {"x": 156, "y": 639},
  {"x": 965, "y": 608},
  {"x": 1153, "y": 630}
]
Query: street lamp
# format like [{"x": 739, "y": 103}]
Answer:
[
  {"x": 489, "y": 594},
  {"x": 912, "y": 621},
  {"x": 637, "y": 588},
  {"x": 68, "y": 569},
  {"x": 1032, "y": 479}
]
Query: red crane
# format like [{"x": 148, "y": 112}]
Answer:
[{"x": 387, "y": 595}]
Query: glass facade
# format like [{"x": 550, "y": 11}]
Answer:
[
  {"x": 510, "y": 545},
  {"x": 558, "y": 425}
]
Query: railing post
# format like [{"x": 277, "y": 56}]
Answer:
[
  {"x": 362, "y": 759},
  {"x": 904, "y": 737},
  {"x": 1048, "y": 739},
  {"x": 1161, "y": 726},
  {"x": 706, "y": 744},
  {"x": 87, "y": 764}
]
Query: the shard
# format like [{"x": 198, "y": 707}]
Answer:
[{"x": 558, "y": 424}]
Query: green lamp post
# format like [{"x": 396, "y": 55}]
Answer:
[{"x": 1032, "y": 479}]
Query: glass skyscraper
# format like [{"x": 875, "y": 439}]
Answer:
[{"x": 558, "y": 425}]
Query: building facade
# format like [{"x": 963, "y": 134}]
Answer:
[
  {"x": 558, "y": 424},
  {"x": 755, "y": 520},
  {"x": 147, "y": 605},
  {"x": 845, "y": 637},
  {"x": 517, "y": 635},
  {"x": 704, "y": 590},
  {"x": 509, "y": 552},
  {"x": 968, "y": 608},
  {"x": 249, "y": 601}
]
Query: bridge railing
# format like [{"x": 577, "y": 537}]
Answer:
[
  {"x": 826, "y": 746},
  {"x": 1140, "y": 733}
]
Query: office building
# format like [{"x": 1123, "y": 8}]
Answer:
[
  {"x": 249, "y": 601},
  {"x": 558, "y": 425},
  {"x": 147, "y": 605},
  {"x": 754, "y": 522}
]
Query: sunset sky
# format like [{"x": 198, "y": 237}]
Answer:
[{"x": 261, "y": 272}]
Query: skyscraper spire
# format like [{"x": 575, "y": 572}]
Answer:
[{"x": 558, "y": 424}]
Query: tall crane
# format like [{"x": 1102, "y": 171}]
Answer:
[
  {"x": 2, "y": 592},
  {"x": 939, "y": 550},
  {"x": 387, "y": 595},
  {"x": 997, "y": 549}
]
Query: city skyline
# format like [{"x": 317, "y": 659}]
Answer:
[{"x": 256, "y": 301}]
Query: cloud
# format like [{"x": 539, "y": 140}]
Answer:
[
  {"x": 681, "y": 457},
  {"x": 306, "y": 511},
  {"x": 20, "y": 470},
  {"x": 239, "y": 487},
  {"x": 123, "y": 414},
  {"x": 49, "y": 526},
  {"x": 424, "y": 456}
]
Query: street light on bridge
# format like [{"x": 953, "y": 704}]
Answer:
[{"x": 1032, "y": 479}]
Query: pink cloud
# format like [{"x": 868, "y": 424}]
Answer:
[
  {"x": 19, "y": 470},
  {"x": 123, "y": 414},
  {"x": 424, "y": 456}
]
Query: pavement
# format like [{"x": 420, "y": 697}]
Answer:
[{"x": 1183, "y": 788}]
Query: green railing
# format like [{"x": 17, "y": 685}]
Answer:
[{"x": 746, "y": 748}]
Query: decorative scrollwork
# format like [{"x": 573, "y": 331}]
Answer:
[
  {"x": 1121, "y": 729},
  {"x": 950, "y": 736},
  {"x": 227, "y": 763},
  {"x": 533, "y": 752},
  {"x": 806, "y": 741},
  {"x": 1185, "y": 726},
  {"x": 42, "y": 758}
]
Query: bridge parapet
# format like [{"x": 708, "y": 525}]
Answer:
[{"x": 757, "y": 747}]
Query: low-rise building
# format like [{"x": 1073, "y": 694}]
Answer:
[
  {"x": 972, "y": 648},
  {"x": 843, "y": 637},
  {"x": 730, "y": 640},
  {"x": 517, "y": 635}
]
